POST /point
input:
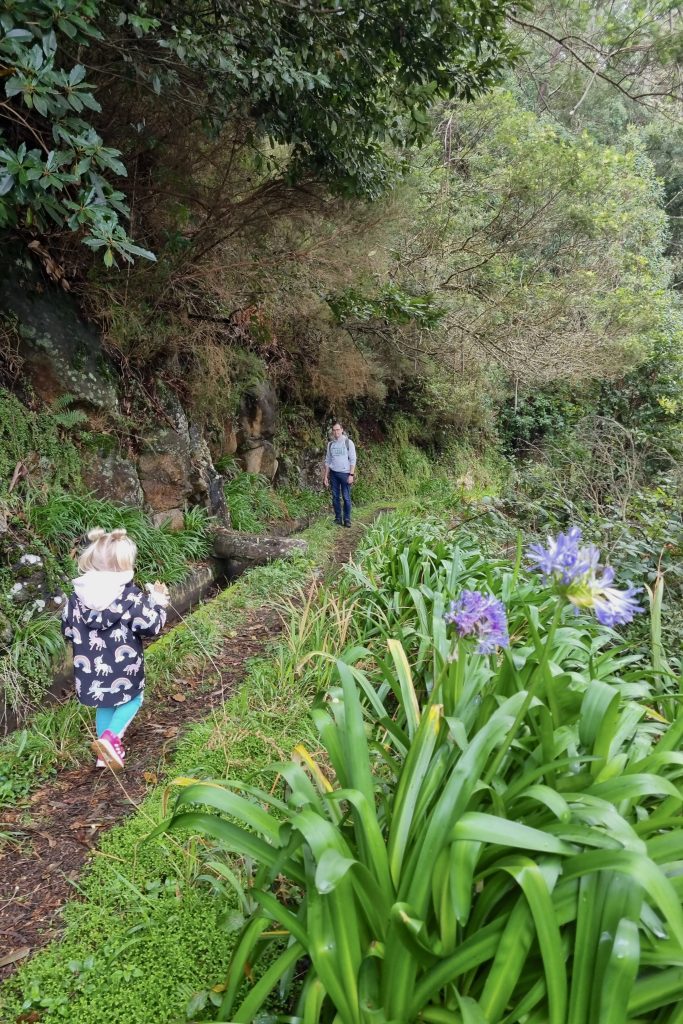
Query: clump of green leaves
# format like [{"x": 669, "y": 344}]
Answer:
[
  {"x": 65, "y": 178},
  {"x": 253, "y": 502},
  {"x": 393, "y": 305},
  {"x": 62, "y": 521},
  {"x": 333, "y": 86},
  {"x": 42, "y": 441},
  {"x": 493, "y": 837}
]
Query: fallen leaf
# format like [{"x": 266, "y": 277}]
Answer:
[
  {"x": 14, "y": 955},
  {"x": 179, "y": 697},
  {"x": 50, "y": 841},
  {"x": 150, "y": 777},
  {"x": 29, "y": 1018}
]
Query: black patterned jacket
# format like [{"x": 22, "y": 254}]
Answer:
[{"x": 108, "y": 662}]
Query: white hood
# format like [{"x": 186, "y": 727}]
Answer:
[{"x": 97, "y": 590}]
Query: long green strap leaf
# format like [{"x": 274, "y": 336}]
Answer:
[
  {"x": 233, "y": 838},
  {"x": 586, "y": 937},
  {"x": 643, "y": 871},
  {"x": 216, "y": 796},
  {"x": 266, "y": 983},
  {"x": 536, "y": 883},
  {"x": 508, "y": 963},
  {"x": 411, "y": 707},
  {"x": 620, "y": 975},
  {"x": 487, "y": 828}
]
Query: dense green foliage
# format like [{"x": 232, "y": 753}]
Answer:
[
  {"x": 331, "y": 84},
  {"x": 43, "y": 441},
  {"x": 64, "y": 180},
  {"x": 63, "y": 519},
  {"x": 254, "y": 504},
  {"x": 542, "y": 249},
  {"x": 475, "y": 826}
]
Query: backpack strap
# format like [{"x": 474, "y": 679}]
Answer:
[{"x": 348, "y": 450}]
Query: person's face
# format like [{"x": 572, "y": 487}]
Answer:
[{"x": 337, "y": 431}]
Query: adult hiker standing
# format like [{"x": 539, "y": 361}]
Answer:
[{"x": 340, "y": 473}]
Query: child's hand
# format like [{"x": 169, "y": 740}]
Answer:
[{"x": 158, "y": 593}]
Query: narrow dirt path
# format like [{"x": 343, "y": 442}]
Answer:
[{"x": 69, "y": 813}]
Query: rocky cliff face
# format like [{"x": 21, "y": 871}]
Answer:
[
  {"x": 257, "y": 422},
  {"x": 168, "y": 467},
  {"x": 162, "y": 461}
]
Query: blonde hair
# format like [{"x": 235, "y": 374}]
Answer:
[{"x": 108, "y": 552}]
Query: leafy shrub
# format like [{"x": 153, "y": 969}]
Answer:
[
  {"x": 544, "y": 414},
  {"x": 252, "y": 502},
  {"x": 36, "y": 646},
  {"x": 55, "y": 738},
  {"x": 40, "y": 440}
]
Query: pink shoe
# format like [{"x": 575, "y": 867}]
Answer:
[
  {"x": 109, "y": 749},
  {"x": 99, "y": 763}
]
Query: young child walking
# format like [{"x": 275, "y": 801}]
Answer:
[{"x": 106, "y": 619}]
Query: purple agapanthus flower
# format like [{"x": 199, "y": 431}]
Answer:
[
  {"x": 480, "y": 615},
  {"x": 565, "y": 558},
  {"x": 575, "y": 568}
]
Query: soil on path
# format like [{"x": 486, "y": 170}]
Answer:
[{"x": 69, "y": 813}]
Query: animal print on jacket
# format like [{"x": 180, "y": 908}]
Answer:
[{"x": 108, "y": 662}]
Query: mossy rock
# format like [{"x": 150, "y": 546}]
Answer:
[{"x": 61, "y": 353}]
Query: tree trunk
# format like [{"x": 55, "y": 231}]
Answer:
[{"x": 251, "y": 548}]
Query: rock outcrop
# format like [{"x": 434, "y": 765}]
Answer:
[
  {"x": 176, "y": 470},
  {"x": 257, "y": 423},
  {"x": 61, "y": 354},
  {"x": 107, "y": 474}
]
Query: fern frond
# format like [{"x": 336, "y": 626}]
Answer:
[
  {"x": 63, "y": 402},
  {"x": 69, "y": 420}
]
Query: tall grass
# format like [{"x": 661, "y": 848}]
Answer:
[
  {"x": 62, "y": 520},
  {"x": 253, "y": 503}
]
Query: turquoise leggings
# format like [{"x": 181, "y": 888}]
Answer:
[{"x": 119, "y": 718}]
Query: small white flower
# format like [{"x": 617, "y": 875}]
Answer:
[
  {"x": 30, "y": 560},
  {"x": 16, "y": 588},
  {"x": 39, "y": 605},
  {"x": 58, "y": 599}
]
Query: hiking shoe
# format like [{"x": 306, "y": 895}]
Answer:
[
  {"x": 99, "y": 763},
  {"x": 338, "y": 522},
  {"x": 347, "y": 525},
  {"x": 109, "y": 749}
]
